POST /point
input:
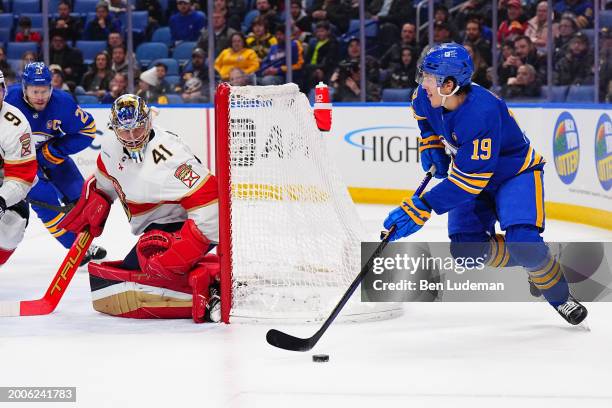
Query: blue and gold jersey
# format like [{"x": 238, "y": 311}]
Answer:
[
  {"x": 69, "y": 128},
  {"x": 486, "y": 144}
]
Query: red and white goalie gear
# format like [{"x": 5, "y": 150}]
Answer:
[
  {"x": 90, "y": 211},
  {"x": 166, "y": 254},
  {"x": 5, "y": 254},
  {"x": 323, "y": 107},
  {"x": 132, "y": 294}
]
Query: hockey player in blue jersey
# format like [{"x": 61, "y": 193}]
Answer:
[
  {"x": 59, "y": 128},
  {"x": 495, "y": 175}
]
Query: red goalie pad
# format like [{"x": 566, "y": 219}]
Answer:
[
  {"x": 91, "y": 210},
  {"x": 130, "y": 293}
]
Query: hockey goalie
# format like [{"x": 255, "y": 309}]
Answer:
[{"x": 170, "y": 200}]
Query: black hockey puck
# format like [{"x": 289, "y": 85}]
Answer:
[{"x": 320, "y": 358}]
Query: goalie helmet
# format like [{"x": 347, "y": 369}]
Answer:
[{"x": 131, "y": 121}]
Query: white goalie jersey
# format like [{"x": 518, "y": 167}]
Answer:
[
  {"x": 169, "y": 185},
  {"x": 17, "y": 155}
]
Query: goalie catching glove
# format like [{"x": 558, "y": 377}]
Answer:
[
  {"x": 90, "y": 211},
  {"x": 160, "y": 252}
]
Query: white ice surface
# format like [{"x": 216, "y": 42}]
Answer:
[{"x": 437, "y": 354}]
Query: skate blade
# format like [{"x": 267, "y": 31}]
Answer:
[{"x": 584, "y": 325}]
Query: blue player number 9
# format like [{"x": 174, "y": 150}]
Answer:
[{"x": 482, "y": 149}]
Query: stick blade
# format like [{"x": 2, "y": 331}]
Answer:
[{"x": 288, "y": 342}]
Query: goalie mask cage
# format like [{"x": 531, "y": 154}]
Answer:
[{"x": 289, "y": 232}]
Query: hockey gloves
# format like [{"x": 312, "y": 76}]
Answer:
[
  {"x": 164, "y": 253},
  {"x": 48, "y": 156},
  {"x": 91, "y": 210},
  {"x": 408, "y": 218},
  {"x": 432, "y": 151}
]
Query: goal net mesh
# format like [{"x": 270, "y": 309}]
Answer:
[{"x": 295, "y": 233}]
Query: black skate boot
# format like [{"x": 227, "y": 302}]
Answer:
[
  {"x": 213, "y": 307},
  {"x": 94, "y": 253},
  {"x": 572, "y": 311}
]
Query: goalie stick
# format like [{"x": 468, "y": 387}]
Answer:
[
  {"x": 58, "y": 286},
  {"x": 286, "y": 341}
]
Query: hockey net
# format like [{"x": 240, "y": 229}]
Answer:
[{"x": 289, "y": 232}]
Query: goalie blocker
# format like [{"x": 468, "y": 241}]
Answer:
[{"x": 171, "y": 199}]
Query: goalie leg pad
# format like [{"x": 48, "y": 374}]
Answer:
[
  {"x": 206, "y": 305},
  {"x": 128, "y": 293}
]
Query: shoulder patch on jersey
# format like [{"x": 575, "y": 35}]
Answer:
[
  {"x": 414, "y": 93},
  {"x": 186, "y": 175},
  {"x": 26, "y": 144}
]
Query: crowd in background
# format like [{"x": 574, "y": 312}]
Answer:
[{"x": 250, "y": 46}]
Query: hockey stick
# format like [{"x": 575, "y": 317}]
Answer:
[
  {"x": 58, "y": 208},
  {"x": 58, "y": 286},
  {"x": 286, "y": 341}
]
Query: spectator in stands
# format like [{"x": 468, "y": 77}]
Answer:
[
  {"x": 195, "y": 92},
  {"x": 118, "y": 87},
  {"x": 24, "y": 31},
  {"x": 514, "y": 25},
  {"x": 197, "y": 65},
  {"x": 473, "y": 9},
  {"x": 442, "y": 14},
  {"x": 395, "y": 12},
  {"x": 163, "y": 87},
  {"x": 264, "y": 10},
  {"x": 334, "y": 11},
  {"x": 26, "y": 58},
  {"x": 273, "y": 67},
  {"x": 389, "y": 15},
  {"x": 302, "y": 22},
  {"x": 394, "y": 53},
  {"x": 156, "y": 13},
  {"x": 96, "y": 81},
  {"x": 403, "y": 74},
  {"x": 116, "y": 7},
  {"x": 353, "y": 53},
  {"x": 480, "y": 67},
  {"x": 57, "y": 80},
  {"x": 348, "y": 89},
  {"x": 537, "y": 26},
  {"x": 576, "y": 67},
  {"x": 605, "y": 65},
  {"x": 236, "y": 56},
  {"x": 473, "y": 36},
  {"x": 4, "y": 65},
  {"x": 442, "y": 32},
  {"x": 103, "y": 24},
  {"x": 237, "y": 77},
  {"x": 68, "y": 26},
  {"x": 524, "y": 85},
  {"x": 582, "y": 9},
  {"x": 260, "y": 40},
  {"x": 186, "y": 24},
  {"x": 321, "y": 58},
  {"x": 222, "y": 33},
  {"x": 234, "y": 11},
  {"x": 524, "y": 53},
  {"x": 114, "y": 40},
  {"x": 567, "y": 29},
  {"x": 147, "y": 86},
  {"x": 119, "y": 62},
  {"x": 70, "y": 59}
]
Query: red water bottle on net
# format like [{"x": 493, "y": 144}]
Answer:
[{"x": 323, "y": 107}]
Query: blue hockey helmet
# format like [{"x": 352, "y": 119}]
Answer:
[
  {"x": 36, "y": 73},
  {"x": 448, "y": 60}
]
